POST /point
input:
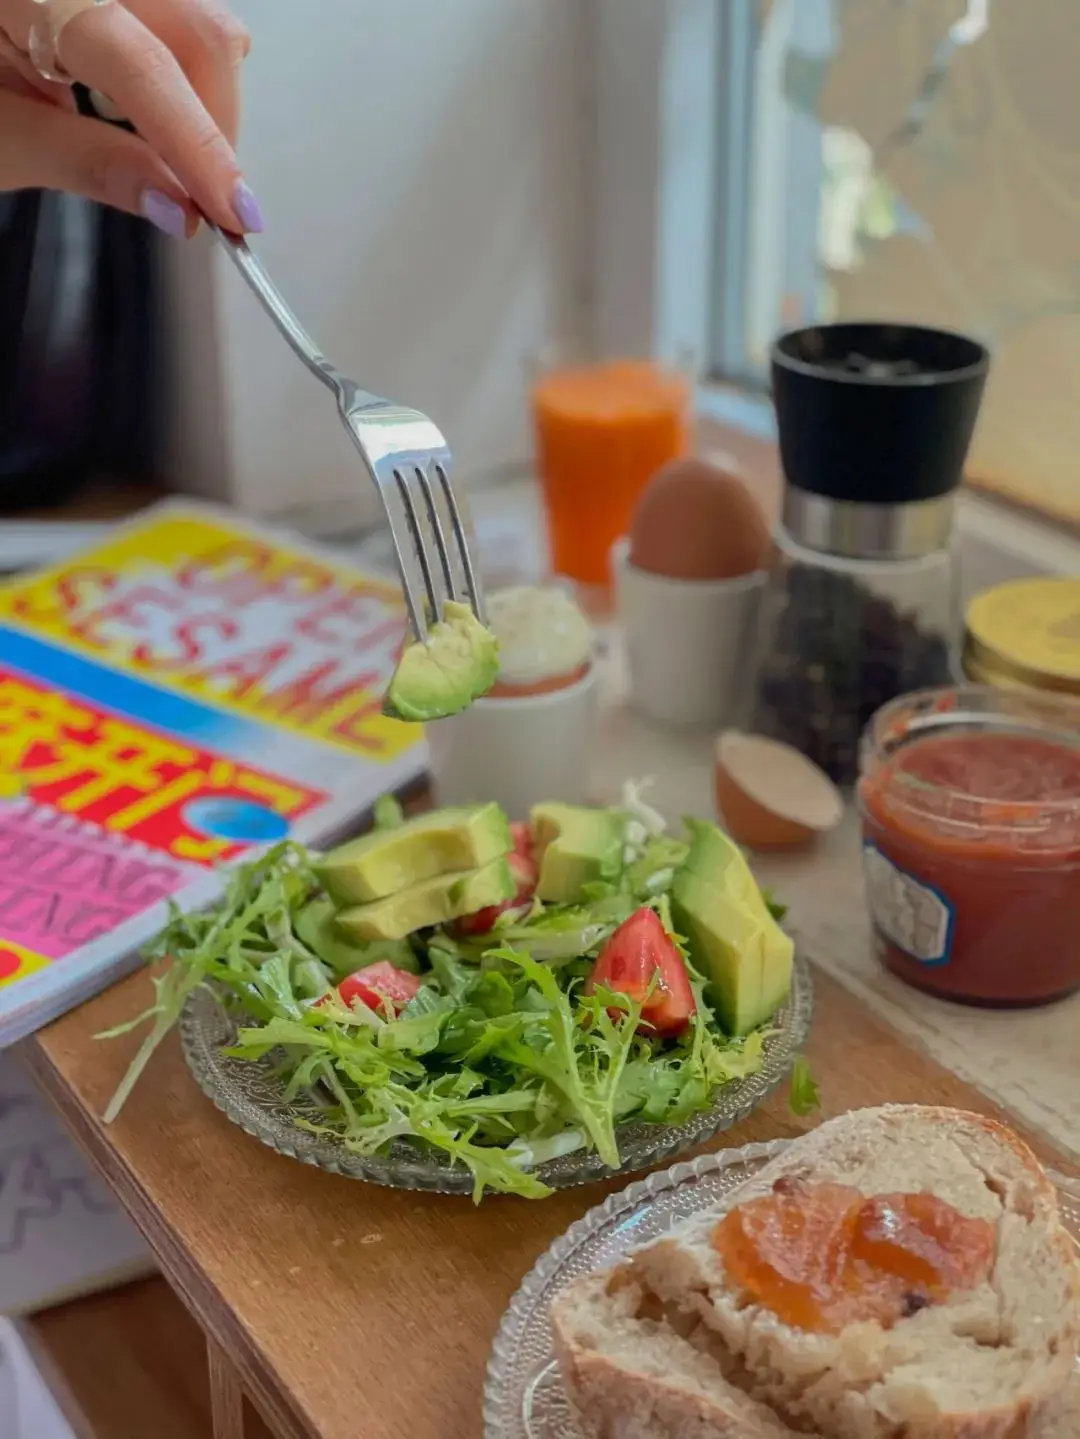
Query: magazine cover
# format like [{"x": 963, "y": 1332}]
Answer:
[{"x": 189, "y": 690}]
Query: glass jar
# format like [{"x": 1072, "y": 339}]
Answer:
[
  {"x": 874, "y": 423},
  {"x": 838, "y": 637},
  {"x": 970, "y": 805},
  {"x": 1025, "y": 635}
]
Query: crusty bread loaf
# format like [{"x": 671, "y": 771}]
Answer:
[
  {"x": 633, "y": 1375},
  {"x": 665, "y": 1347},
  {"x": 1061, "y": 1418}
]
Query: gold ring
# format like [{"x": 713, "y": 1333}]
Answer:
[{"x": 45, "y": 33}]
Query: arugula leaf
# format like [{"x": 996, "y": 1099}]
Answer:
[
  {"x": 804, "y": 1097},
  {"x": 578, "y": 1049},
  {"x": 387, "y": 813},
  {"x": 454, "y": 979},
  {"x": 396, "y": 1112},
  {"x": 653, "y": 871},
  {"x": 557, "y": 934},
  {"x": 170, "y": 995},
  {"x": 775, "y": 907}
]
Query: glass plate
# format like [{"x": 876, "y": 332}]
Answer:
[
  {"x": 524, "y": 1396},
  {"x": 251, "y": 1094}
]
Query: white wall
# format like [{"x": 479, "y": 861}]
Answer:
[
  {"x": 422, "y": 166},
  {"x": 657, "y": 166},
  {"x": 628, "y": 40}
]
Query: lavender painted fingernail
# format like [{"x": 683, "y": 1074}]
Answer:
[
  {"x": 166, "y": 214},
  {"x": 247, "y": 209}
]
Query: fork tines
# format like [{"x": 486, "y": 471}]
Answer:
[{"x": 424, "y": 492}]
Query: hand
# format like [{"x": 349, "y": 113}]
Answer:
[{"x": 172, "y": 68}]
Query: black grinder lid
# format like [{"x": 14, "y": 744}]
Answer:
[{"x": 876, "y": 413}]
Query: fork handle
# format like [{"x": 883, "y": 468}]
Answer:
[{"x": 254, "y": 273}]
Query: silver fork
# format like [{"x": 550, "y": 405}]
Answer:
[{"x": 406, "y": 458}]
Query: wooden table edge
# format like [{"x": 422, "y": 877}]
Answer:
[{"x": 224, "y": 1335}]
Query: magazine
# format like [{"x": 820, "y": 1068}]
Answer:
[{"x": 191, "y": 689}]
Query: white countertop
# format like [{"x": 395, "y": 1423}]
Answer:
[{"x": 1026, "y": 1060}]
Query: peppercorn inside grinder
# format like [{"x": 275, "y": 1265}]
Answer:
[{"x": 862, "y": 600}]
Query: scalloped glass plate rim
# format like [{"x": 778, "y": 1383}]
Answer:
[
  {"x": 244, "y": 1092},
  {"x": 600, "y": 1219}
]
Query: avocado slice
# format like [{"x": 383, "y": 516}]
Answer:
[
  {"x": 575, "y": 846},
  {"x": 458, "y": 664},
  {"x": 733, "y": 939},
  {"x": 433, "y": 901},
  {"x": 316, "y": 926},
  {"x": 386, "y": 860}
]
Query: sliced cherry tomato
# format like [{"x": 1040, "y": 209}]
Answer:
[
  {"x": 639, "y": 949},
  {"x": 380, "y": 985},
  {"x": 526, "y": 875},
  {"x": 521, "y": 834}
]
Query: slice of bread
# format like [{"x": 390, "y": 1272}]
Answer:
[
  {"x": 633, "y": 1374},
  {"x": 664, "y": 1346},
  {"x": 1061, "y": 1418}
]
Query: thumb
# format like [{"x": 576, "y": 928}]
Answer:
[{"x": 46, "y": 148}]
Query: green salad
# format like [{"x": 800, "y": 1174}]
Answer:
[{"x": 501, "y": 993}]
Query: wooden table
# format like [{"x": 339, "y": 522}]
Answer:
[{"x": 340, "y": 1308}]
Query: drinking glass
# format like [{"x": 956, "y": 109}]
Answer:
[{"x": 602, "y": 431}]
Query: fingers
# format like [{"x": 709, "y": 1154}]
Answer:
[
  {"x": 18, "y": 73},
  {"x": 43, "y": 147},
  {"x": 13, "y": 80},
  {"x": 210, "y": 44},
  {"x": 109, "y": 49}
]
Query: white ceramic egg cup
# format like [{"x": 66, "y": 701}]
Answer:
[
  {"x": 518, "y": 751},
  {"x": 685, "y": 642}
]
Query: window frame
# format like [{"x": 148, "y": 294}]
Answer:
[
  {"x": 661, "y": 122},
  {"x": 676, "y": 195},
  {"x": 771, "y": 171}
]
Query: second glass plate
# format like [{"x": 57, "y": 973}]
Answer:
[{"x": 524, "y": 1397}]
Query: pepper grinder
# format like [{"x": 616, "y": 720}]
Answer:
[{"x": 862, "y": 601}]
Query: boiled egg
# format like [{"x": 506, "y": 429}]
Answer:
[
  {"x": 694, "y": 521},
  {"x": 545, "y": 642}
]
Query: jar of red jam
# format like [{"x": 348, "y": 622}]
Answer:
[{"x": 970, "y": 804}]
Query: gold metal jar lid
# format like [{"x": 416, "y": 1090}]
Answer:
[{"x": 1026, "y": 634}]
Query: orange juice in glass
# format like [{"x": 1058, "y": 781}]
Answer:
[{"x": 602, "y": 432}]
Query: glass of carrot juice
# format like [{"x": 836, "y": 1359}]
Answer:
[{"x": 602, "y": 432}]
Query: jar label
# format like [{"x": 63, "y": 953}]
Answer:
[{"x": 914, "y": 916}]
